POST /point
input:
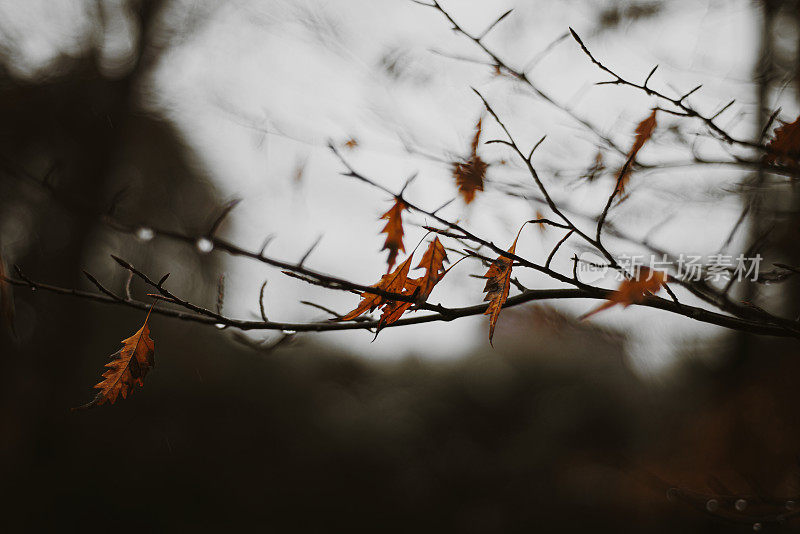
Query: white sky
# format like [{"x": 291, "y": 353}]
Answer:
[{"x": 311, "y": 70}]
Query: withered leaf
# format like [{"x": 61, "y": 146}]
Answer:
[
  {"x": 470, "y": 173},
  {"x": 127, "y": 368},
  {"x": 433, "y": 261},
  {"x": 644, "y": 131},
  {"x": 497, "y": 285},
  {"x": 393, "y": 282},
  {"x": 785, "y": 146},
  {"x": 394, "y": 231},
  {"x": 634, "y": 290}
]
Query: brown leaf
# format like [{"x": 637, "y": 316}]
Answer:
[
  {"x": 433, "y": 262},
  {"x": 470, "y": 173},
  {"x": 497, "y": 285},
  {"x": 644, "y": 131},
  {"x": 785, "y": 146},
  {"x": 6, "y": 300},
  {"x": 633, "y": 290},
  {"x": 127, "y": 368},
  {"x": 393, "y": 310},
  {"x": 351, "y": 143},
  {"x": 393, "y": 282},
  {"x": 394, "y": 231}
]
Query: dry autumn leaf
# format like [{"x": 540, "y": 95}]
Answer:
[
  {"x": 394, "y": 231},
  {"x": 469, "y": 174},
  {"x": 497, "y": 285},
  {"x": 633, "y": 290},
  {"x": 433, "y": 262},
  {"x": 785, "y": 146},
  {"x": 393, "y": 282},
  {"x": 393, "y": 310},
  {"x": 644, "y": 131},
  {"x": 127, "y": 368}
]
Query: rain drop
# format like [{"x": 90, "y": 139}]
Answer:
[
  {"x": 288, "y": 332},
  {"x": 145, "y": 234},
  {"x": 220, "y": 326},
  {"x": 204, "y": 245},
  {"x": 712, "y": 505},
  {"x": 757, "y": 527},
  {"x": 740, "y": 505}
]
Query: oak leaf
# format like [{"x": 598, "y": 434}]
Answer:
[
  {"x": 394, "y": 231},
  {"x": 633, "y": 290},
  {"x": 127, "y": 368},
  {"x": 432, "y": 261},
  {"x": 497, "y": 285},
  {"x": 470, "y": 173},
  {"x": 785, "y": 146},
  {"x": 393, "y": 310},
  {"x": 393, "y": 282}
]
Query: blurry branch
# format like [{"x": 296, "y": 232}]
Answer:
[
  {"x": 208, "y": 317},
  {"x": 521, "y": 76},
  {"x": 683, "y": 109}
]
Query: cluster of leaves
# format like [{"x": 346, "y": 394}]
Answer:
[{"x": 398, "y": 282}]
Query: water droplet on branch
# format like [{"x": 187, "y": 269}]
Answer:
[
  {"x": 145, "y": 234},
  {"x": 204, "y": 245}
]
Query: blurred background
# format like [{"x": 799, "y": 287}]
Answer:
[{"x": 163, "y": 111}]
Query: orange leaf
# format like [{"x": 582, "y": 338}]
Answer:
[
  {"x": 634, "y": 290},
  {"x": 393, "y": 282},
  {"x": 433, "y": 262},
  {"x": 470, "y": 173},
  {"x": 644, "y": 131},
  {"x": 497, "y": 285},
  {"x": 394, "y": 231},
  {"x": 393, "y": 310},
  {"x": 351, "y": 143},
  {"x": 127, "y": 368},
  {"x": 785, "y": 146}
]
